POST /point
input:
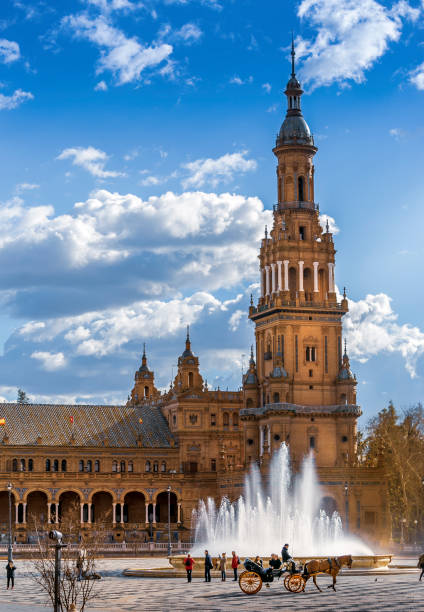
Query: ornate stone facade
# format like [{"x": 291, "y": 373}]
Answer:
[{"x": 119, "y": 461}]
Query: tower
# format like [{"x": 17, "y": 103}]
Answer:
[
  {"x": 300, "y": 367},
  {"x": 144, "y": 389}
]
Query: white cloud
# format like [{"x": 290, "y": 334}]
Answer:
[
  {"x": 101, "y": 86},
  {"x": 188, "y": 33},
  {"x": 416, "y": 77},
  {"x": 351, "y": 37},
  {"x": 217, "y": 170},
  {"x": 149, "y": 181},
  {"x": 371, "y": 327},
  {"x": 397, "y": 133},
  {"x": 91, "y": 159},
  {"x": 15, "y": 100},
  {"x": 50, "y": 361},
  {"x": 108, "y": 6},
  {"x": 267, "y": 87},
  {"x": 272, "y": 109},
  {"x": 236, "y": 80},
  {"x": 234, "y": 320},
  {"x": 323, "y": 219},
  {"x": 9, "y": 51},
  {"x": 26, "y": 187},
  {"x": 125, "y": 57}
]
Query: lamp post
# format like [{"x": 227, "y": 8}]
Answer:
[
  {"x": 402, "y": 535},
  {"x": 57, "y": 537},
  {"x": 9, "y": 546},
  {"x": 169, "y": 520},
  {"x": 416, "y": 530},
  {"x": 346, "y": 490}
]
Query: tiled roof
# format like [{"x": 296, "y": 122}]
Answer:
[{"x": 116, "y": 426}]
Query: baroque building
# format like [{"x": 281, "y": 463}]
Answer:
[{"x": 118, "y": 464}]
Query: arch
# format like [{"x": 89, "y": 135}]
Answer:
[
  {"x": 102, "y": 490},
  {"x": 190, "y": 379},
  {"x": 162, "y": 507},
  {"x": 235, "y": 419},
  {"x": 70, "y": 490},
  {"x": 37, "y": 490},
  {"x": 308, "y": 283},
  {"x": 97, "y": 465},
  {"x": 23, "y": 465},
  {"x": 14, "y": 465},
  {"x": 89, "y": 466},
  {"x": 69, "y": 507},
  {"x": 226, "y": 419},
  {"x": 122, "y": 466},
  {"x": 63, "y": 465},
  {"x": 328, "y": 504},
  {"x": 135, "y": 507},
  {"x": 147, "y": 466},
  {"x": 301, "y": 189},
  {"x": 30, "y": 465},
  {"x": 138, "y": 490},
  {"x": 4, "y": 506},
  {"x": 102, "y": 506},
  {"x": 37, "y": 501},
  {"x": 56, "y": 465},
  {"x": 293, "y": 283},
  {"x": 48, "y": 465}
]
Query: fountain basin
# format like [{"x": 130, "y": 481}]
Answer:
[{"x": 361, "y": 563}]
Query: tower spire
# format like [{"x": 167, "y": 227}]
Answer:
[{"x": 293, "y": 54}]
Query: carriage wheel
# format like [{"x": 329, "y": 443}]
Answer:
[
  {"x": 250, "y": 583},
  {"x": 294, "y": 583}
]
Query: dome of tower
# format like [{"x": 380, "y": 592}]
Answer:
[{"x": 295, "y": 130}]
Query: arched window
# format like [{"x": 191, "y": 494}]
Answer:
[
  {"x": 276, "y": 398},
  {"x": 235, "y": 419},
  {"x": 311, "y": 441},
  {"x": 163, "y": 466},
  {"x": 97, "y": 466},
  {"x": 15, "y": 465},
  {"x": 300, "y": 184},
  {"x": 226, "y": 419},
  {"x": 114, "y": 466},
  {"x": 56, "y": 465},
  {"x": 190, "y": 379},
  {"x": 155, "y": 466},
  {"x": 23, "y": 466},
  {"x": 311, "y": 353},
  {"x": 292, "y": 283},
  {"x": 249, "y": 403},
  {"x": 47, "y": 465},
  {"x": 81, "y": 466},
  {"x": 30, "y": 465},
  {"x": 63, "y": 466},
  {"x": 122, "y": 466},
  {"x": 146, "y": 391},
  {"x": 130, "y": 466},
  {"x": 89, "y": 467},
  {"x": 147, "y": 466}
]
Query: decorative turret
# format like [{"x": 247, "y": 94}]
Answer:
[
  {"x": 188, "y": 377},
  {"x": 144, "y": 388}
]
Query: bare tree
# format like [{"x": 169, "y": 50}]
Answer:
[{"x": 78, "y": 573}]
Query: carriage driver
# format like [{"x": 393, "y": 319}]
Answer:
[{"x": 287, "y": 558}]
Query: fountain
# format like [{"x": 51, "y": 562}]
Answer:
[{"x": 261, "y": 522}]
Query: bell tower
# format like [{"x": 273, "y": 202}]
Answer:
[{"x": 298, "y": 320}]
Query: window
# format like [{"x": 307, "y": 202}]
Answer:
[
  {"x": 235, "y": 420},
  {"x": 15, "y": 465},
  {"x": 63, "y": 465},
  {"x": 97, "y": 466},
  {"x": 155, "y": 466},
  {"x": 226, "y": 419},
  {"x": 311, "y": 373},
  {"x": 114, "y": 466},
  {"x": 23, "y": 465},
  {"x": 302, "y": 234},
  {"x": 146, "y": 391},
  {"x": 312, "y": 442},
  {"x": 213, "y": 420},
  {"x": 30, "y": 465},
  {"x": 47, "y": 465},
  {"x": 56, "y": 465},
  {"x": 89, "y": 467},
  {"x": 311, "y": 353},
  {"x": 276, "y": 398},
  {"x": 174, "y": 419},
  {"x": 147, "y": 466},
  {"x": 163, "y": 466},
  {"x": 277, "y": 437},
  {"x": 190, "y": 379},
  {"x": 81, "y": 466},
  {"x": 122, "y": 466},
  {"x": 344, "y": 438},
  {"x": 213, "y": 465},
  {"x": 300, "y": 184},
  {"x": 130, "y": 466}
]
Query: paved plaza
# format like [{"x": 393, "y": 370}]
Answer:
[{"x": 360, "y": 593}]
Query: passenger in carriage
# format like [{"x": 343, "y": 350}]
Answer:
[
  {"x": 258, "y": 561},
  {"x": 275, "y": 562}
]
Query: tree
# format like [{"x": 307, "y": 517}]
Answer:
[{"x": 22, "y": 397}]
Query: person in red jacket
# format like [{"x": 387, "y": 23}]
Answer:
[
  {"x": 235, "y": 562},
  {"x": 188, "y": 564}
]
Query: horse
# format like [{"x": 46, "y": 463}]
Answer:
[{"x": 326, "y": 566}]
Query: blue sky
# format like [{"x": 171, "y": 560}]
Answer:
[{"x": 138, "y": 174}]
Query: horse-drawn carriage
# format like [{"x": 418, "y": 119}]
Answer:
[{"x": 251, "y": 580}]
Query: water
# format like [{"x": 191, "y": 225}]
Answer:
[{"x": 260, "y": 522}]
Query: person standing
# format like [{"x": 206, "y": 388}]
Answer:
[
  {"x": 235, "y": 562},
  {"x": 208, "y": 566},
  {"x": 421, "y": 565},
  {"x": 223, "y": 566},
  {"x": 10, "y": 570},
  {"x": 188, "y": 564}
]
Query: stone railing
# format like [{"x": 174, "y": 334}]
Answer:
[{"x": 300, "y": 409}]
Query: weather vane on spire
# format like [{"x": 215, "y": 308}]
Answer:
[{"x": 293, "y": 56}]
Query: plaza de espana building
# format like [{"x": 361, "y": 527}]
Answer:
[{"x": 119, "y": 461}]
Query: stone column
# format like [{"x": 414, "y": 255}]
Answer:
[
  {"x": 286, "y": 274},
  {"x": 48, "y": 513},
  {"x": 122, "y": 512},
  {"x": 81, "y": 512},
  {"x": 262, "y": 283},
  {"x": 16, "y": 512},
  {"x": 179, "y": 513},
  {"x": 301, "y": 275},
  {"x": 89, "y": 512},
  {"x": 56, "y": 513},
  {"x": 273, "y": 280},
  {"x": 261, "y": 440},
  {"x": 280, "y": 278},
  {"x": 154, "y": 514},
  {"x": 114, "y": 513},
  {"x": 330, "y": 278},
  {"x": 24, "y": 513},
  {"x": 147, "y": 512},
  {"x": 267, "y": 280},
  {"x": 316, "y": 288}
]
